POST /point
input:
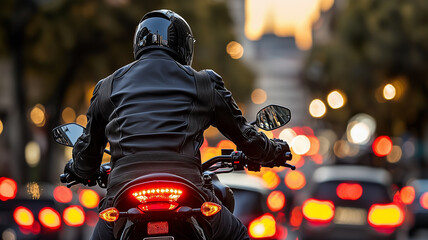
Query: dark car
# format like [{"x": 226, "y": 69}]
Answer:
[
  {"x": 251, "y": 206},
  {"x": 415, "y": 195},
  {"x": 350, "y": 202}
]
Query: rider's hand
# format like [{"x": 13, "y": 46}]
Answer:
[
  {"x": 282, "y": 152},
  {"x": 68, "y": 169}
]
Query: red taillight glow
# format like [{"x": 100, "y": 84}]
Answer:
[
  {"x": 262, "y": 227},
  {"x": 296, "y": 217},
  {"x": 318, "y": 211},
  {"x": 74, "y": 216},
  {"x": 109, "y": 214},
  {"x": 23, "y": 217},
  {"x": 210, "y": 208},
  {"x": 8, "y": 189},
  {"x": 158, "y": 194},
  {"x": 63, "y": 194},
  {"x": 382, "y": 146},
  {"x": 385, "y": 215},
  {"x": 276, "y": 201},
  {"x": 423, "y": 200},
  {"x": 349, "y": 191},
  {"x": 50, "y": 218},
  {"x": 407, "y": 195},
  {"x": 89, "y": 198}
]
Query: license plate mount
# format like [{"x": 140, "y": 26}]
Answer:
[
  {"x": 155, "y": 228},
  {"x": 350, "y": 216}
]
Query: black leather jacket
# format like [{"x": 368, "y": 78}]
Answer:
[{"x": 153, "y": 113}]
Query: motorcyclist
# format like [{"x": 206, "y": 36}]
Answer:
[{"x": 153, "y": 112}]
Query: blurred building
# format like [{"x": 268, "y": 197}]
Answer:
[{"x": 277, "y": 50}]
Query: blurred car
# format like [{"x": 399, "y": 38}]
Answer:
[
  {"x": 415, "y": 196},
  {"x": 251, "y": 206},
  {"x": 349, "y": 202},
  {"x": 45, "y": 211}
]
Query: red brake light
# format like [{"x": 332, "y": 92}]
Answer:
[
  {"x": 8, "y": 189},
  {"x": 276, "y": 201},
  {"x": 407, "y": 195},
  {"x": 262, "y": 227},
  {"x": 349, "y": 191},
  {"x": 318, "y": 211},
  {"x": 23, "y": 217},
  {"x": 158, "y": 206},
  {"x": 158, "y": 194},
  {"x": 385, "y": 215},
  {"x": 423, "y": 200},
  {"x": 50, "y": 218}
]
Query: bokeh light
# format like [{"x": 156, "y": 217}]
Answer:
[
  {"x": 32, "y": 153},
  {"x": 63, "y": 194},
  {"x": 258, "y": 96},
  {"x": 287, "y": 135},
  {"x": 81, "y": 120},
  {"x": 1, "y": 127},
  {"x": 271, "y": 179},
  {"x": 317, "y": 108},
  {"x": 89, "y": 198},
  {"x": 235, "y": 50},
  {"x": 37, "y": 115},
  {"x": 336, "y": 99},
  {"x": 407, "y": 195},
  {"x": 382, "y": 146},
  {"x": 295, "y": 180},
  {"x": 395, "y": 154},
  {"x": 74, "y": 216},
  {"x": 8, "y": 188},
  {"x": 389, "y": 92},
  {"x": 360, "y": 129},
  {"x": 276, "y": 201},
  {"x": 68, "y": 115},
  {"x": 301, "y": 144}
]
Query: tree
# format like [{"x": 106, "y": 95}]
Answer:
[{"x": 376, "y": 43}]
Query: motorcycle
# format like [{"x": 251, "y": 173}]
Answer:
[{"x": 161, "y": 206}]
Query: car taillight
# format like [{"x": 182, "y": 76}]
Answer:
[
  {"x": 407, "y": 195},
  {"x": 276, "y": 201},
  {"x": 50, "y": 218},
  {"x": 109, "y": 214},
  {"x": 423, "y": 200},
  {"x": 318, "y": 211},
  {"x": 262, "y": 227},
  {"x": 74, "y": 216},
  {"x": 385, "y": 215},
  {"x": 8, "y": 188},
  {"x": 23, "y": 217},
  {"x": 349, "y": 191}
]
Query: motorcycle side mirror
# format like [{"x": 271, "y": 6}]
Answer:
[
  {"x": 67, "y": 134},
  {"x": 272, "y": 117}
]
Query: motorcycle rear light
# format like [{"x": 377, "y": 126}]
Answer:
[
  {"x": 349, "y": 191},
  {"x": 276, "y": 201},
  {"x": 109, "y": 214},
  {"x": 50, "y": 218},
  {"x": 23, "y": 217},
  {"x": 262, "y": 227},
  {"x": 74, "y": 216},
  {"x": 385, "y": 215},
  {"x": 158, "y": 206},
  {"x": 423, "y": 200},
  {"x": 158, "y": 194},
  {"x": 318, "y": 211},
  {"x": 210, "y": 208}
]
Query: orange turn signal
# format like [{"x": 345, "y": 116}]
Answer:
[
  {"x": 210, "y": 208},
  {"x": 109, "y": 214}
]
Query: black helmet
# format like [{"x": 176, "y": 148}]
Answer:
[{"x": 165, "y": 29}]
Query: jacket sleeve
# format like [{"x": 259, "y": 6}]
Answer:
[
  {"x": 231, "y": 123},
  {"x": 89, "y": 148}
]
